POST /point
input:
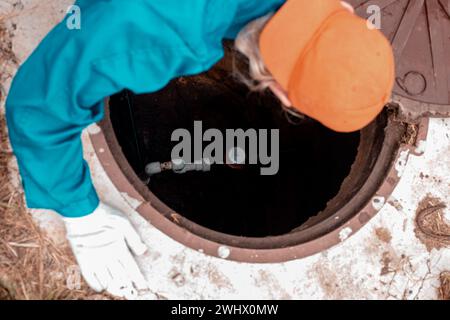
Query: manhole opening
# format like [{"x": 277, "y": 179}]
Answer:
[{"x": 319, "y": 171}]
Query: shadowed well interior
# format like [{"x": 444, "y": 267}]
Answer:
[{"x": 314, "y": 161}]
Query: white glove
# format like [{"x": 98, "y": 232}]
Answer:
[{"x": 100, "y": 244}]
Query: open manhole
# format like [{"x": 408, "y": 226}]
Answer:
[
  {"x": 328, "y": 184},
  {"x": 237, "y": 200},
  {"x": 324, "y": 178}
]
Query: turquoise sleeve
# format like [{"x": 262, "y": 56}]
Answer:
[
  {"x": 138, "y": 45},
  {"x": 249, "y": 10}
]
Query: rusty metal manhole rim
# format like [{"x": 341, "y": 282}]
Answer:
[{"x": 211, "y": 242}]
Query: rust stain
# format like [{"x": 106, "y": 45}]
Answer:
[
  {"x": 328, "y": 282},
  {"x": 396, "y": 204},
  {"x": 380, "y": 246},
  {"x": 337, "y": 280},
  {"x": 215, "y": 276},
  {"x": 219, "y": 279},
  {"x": 175, "y": 218},
  {"x": 383, "y": 234},
  {"x": 364, "y": 217},
  {"x": 268, "y": 281},
  {"x": 177, "y": 277}
]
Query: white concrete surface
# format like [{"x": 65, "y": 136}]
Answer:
[{"x": 384, "y": 260}]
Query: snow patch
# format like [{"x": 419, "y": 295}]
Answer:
[
  {"x": 223, "y": 252},
  {"x": 401, "y": 163},
  {"x": 378, "y": 203},
  {"x": 345, "y": 233},
  {"x": 94, "y": 129}
]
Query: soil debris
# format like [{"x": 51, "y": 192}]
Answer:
[
  {"x": 444, "y": 289},
  {"x": 383, "y": 234},
  {"x": 431, "y": 227}
]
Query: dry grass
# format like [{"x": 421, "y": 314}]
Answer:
[
  {"x": 31, "y": 266},
  {"x": 7, "y": 57}
]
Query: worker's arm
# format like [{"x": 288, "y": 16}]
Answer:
[{"x": 60, "y": 89}]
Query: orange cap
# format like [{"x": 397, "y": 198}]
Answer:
[{"x": 334, "y": 67}]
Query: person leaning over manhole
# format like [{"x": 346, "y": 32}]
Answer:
[{"x": 317, "y": 57}]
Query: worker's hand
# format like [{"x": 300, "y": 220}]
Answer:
[{"x": 101, "y": 242}]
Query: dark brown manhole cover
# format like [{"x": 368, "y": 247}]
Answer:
[{"x": 420, "y": 34}]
